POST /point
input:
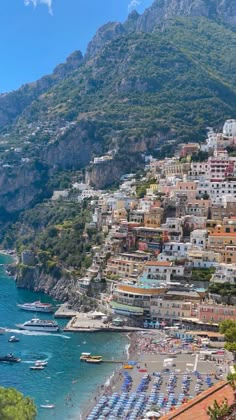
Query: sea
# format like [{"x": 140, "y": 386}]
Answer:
[{"x": 66, "y": 382}]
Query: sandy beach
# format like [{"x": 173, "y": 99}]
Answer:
[{"x": 149, "y": 351}]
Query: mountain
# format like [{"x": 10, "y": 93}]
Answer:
[{"x": 158, "y": 78}]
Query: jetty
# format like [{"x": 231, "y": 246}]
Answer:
[
  {"x": 65, "y": 312},
  {"x": 83, "y": 322}
]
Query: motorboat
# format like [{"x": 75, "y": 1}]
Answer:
[
  {"x": 47, "y": 405},
  {"x": 36, "y": 307},
  {"x": 10, "y": 358},
  {"x": 13, "y": 339},
  {"x": 93, "y": 361},
  {"x": 41, "y": 363},
  {"x": 39, "y": 367},
  {"x": 35, "y": 324},
  {"x": 85, "y": 356},
  {"x": 2, "y": 331}
]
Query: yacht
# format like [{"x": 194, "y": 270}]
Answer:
[
  {"x": 36, "y": 324},
  {"x": 36, "y": 307}
]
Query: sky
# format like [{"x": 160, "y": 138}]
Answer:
[{"x": 36, "y": 35}]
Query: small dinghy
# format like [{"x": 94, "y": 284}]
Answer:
[{"x": 47, "y": 405}]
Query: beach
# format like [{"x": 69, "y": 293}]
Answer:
[{"x": 147, "y": 353}]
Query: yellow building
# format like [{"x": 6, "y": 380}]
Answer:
[{"x": 154, "y": 217}]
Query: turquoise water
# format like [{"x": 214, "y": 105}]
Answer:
[{"x": 65, "y": 382}]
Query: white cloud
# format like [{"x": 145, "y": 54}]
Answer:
[
  {"x": 37, "y": 2},
  {"x": 134, "y": 4}
]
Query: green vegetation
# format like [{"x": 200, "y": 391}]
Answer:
[
  {"x": 142, "y": 186},
  {"x": 59, "y": 233},
  {"x": 14, "y": 406},
  {"x": 202, "y": 274},
  {"x": 223, "y": 289},
  {"x": 228, "y": 328},
  {"x": 218, "y": 410},
  {"x": 176, "y": 82}
]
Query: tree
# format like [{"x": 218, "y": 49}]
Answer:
[
  {"x": 14, "y": 406},
  {"x": 231, "y": 378},
  {"x": 230, "y": 335},
  {"x": 226, "y": 324},
  {"x": 218, "y": 410}
]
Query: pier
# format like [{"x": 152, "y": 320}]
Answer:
[{"x": 64, "y": 312}]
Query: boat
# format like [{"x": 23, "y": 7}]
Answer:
[
  {"x": 85, "y": 356},
  {"x": 10, "y": 358},
  {"x": 94, "y": 361},
  {"x": 36, "y": 307},
  {"x": 39, "y": 367},
  {"x": 36, "y": 324},
  {"x": 2, "y": 331},
  {"x": 41, "y": 363},
  {"x": 13, "y": 339},
  {"x": 47, "y": 405}
]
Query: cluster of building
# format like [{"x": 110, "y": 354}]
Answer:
[{"x": 164, "y": 249}]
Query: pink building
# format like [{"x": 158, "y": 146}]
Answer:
[{"x": 216, "y": 313}]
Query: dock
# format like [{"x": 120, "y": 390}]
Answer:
[
  {"x": 82, "y": 322},
  {"x": 64, "y": 312}
]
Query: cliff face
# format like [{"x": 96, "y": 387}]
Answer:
[
  {"x": 64, "y": 289},
  {"x": 163, "y": 10},
  {"x": 19, "y": 186},
  {"x": 75, "y": 148}
]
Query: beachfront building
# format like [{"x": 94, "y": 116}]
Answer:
[
  {"x": 164, "y": 308},
  {"x": 215, "y": 313},
  {"x": 131, "y": 300}
]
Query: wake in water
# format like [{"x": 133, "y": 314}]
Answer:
[{"x": 39, "y": 333}]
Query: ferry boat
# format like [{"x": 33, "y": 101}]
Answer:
[
  {"x": 36, "y": 324},
  {"x": 36, "y": 307}
]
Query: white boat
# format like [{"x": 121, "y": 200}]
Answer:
[
  {"x": 36, "y": 324},
  {"x": 41, "y": 363},
  {"x": 36, "y": 307},
  {"x": 47, "y": 405},
  {"x": 37, "y": 367}
]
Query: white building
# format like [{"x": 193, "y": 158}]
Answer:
[
  {"x": 229, "y": 128},
  {"x": 198, "y": 237},
  {"x": 225, "y": 273}
]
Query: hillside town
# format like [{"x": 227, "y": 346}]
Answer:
[{"x": 169, "y": 254}]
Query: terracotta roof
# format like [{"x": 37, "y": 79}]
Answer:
[
  {"x": 197, "y": 407},
  {"x": 159, "y": 263}
]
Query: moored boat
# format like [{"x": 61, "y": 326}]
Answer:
[
  {"x": 85, "y": 356},
  {"x": 36, "y": 324},
  {"x": 93, "y": 361},
  {"x": 47, "y": 405},
  {"x": 36, "y": 307},
  {"x": 10, "y": 358}
]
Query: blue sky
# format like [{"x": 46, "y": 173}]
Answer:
[{"x": 36, "y": 35}]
